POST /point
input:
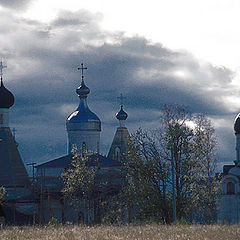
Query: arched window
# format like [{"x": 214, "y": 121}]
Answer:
[
  {"x": 117, "y": 153},
  {"x": 230, "y": 188}
]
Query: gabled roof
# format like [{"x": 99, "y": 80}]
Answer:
[{"x": 94, "y": 160}]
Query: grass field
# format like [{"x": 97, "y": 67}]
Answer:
[{"x": 151, "y": 231}]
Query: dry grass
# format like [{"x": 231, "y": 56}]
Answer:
[{"x": 151, "y": 231}]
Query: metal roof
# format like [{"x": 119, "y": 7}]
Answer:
[
  {"x": 120, "y": 141},
  {"x": 6, "y": 97},
  {"x": 12, "y": 169},
  {"x": 94, "y": 160}
]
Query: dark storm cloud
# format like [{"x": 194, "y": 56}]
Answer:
[
  {"x": 15, "y": 4},
  {"x": 42, "y": 73}
]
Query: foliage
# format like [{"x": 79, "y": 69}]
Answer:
[
  {"x": 87, "y": 187},
  {"x": 189, "y": 143},
  {"x": 147, "y": 176},
  {"x": 203, "y": 180},
  {"x": 79, "y": 179},
  {"x": 53, "y": 221},
  {"x": 2, "y": 194},
  {"x": 177, "y": 136}
]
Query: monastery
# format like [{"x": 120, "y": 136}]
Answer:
[{"x": 39, "y": 199}]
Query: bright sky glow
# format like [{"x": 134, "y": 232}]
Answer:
[
  {"x": 232, "y": 102},
  {"x": 208, "y": 29},
  {"x": 180, "y": 74}
]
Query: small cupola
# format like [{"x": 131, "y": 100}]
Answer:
[
  {"x": 121, "y": 115},
  {"x": 82, "y": 90}
]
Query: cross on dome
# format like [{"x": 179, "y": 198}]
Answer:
[
  {"x": 121, "y": 114},
  {"x": 1, "y": 69},
  {"x": 82, "y": 68},
  {"x": 121, "y": 99}
]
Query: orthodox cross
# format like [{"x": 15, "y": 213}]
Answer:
[
  {"x": 82, "y": 68},
  {"x": 121, "y": 99},
  {"x": 1, "y": 68}
]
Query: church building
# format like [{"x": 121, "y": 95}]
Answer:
[
  {"x": 40, "y": 199},
  {"x": 13, "y": 175},
  {"x": 83, "y": 131},
  {"x": 229, "y": 199}
]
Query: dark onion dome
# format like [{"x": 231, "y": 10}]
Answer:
[
  {"x": 121, "y": 115},
  {"x": 6, "y": 97},
  {"x": 237, "y": 124},
  {"x": 82, "y": 90}
]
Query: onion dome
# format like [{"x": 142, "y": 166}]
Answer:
[
  {"x": 6, "y": 97},
  {"x": 82, "y": 90},
  {"x": 83, "y": 118},
  {"x": 121, "y": 115},
  {"x": 82, "y": 114},
  {"x": 237, "y": 124}
]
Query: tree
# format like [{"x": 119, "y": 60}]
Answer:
[
  {"x": 87, "y": 183},
  {"x": 147, "y": 176},
  {"x": 189, "y": 142},
  {"x": 204, "y": 182},
  {"x": 2, "y": 194},
  {"x": 79, "y": 181},
  {"x": 177, "y": 136}
]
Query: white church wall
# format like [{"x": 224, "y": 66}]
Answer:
[
  {"x": 90, "y": 139},
  {"x": 228, "y": 179},
  {"x": 229, "y": 209}
]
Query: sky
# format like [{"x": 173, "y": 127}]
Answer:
[{"x": 154, "y": 53}]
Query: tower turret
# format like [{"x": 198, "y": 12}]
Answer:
[
  {"x": 121, "y": 116},
  {"x": 83, "y": 126},
  {"x": 120, "y": 141},
  {"x": 12, "y": 169}
]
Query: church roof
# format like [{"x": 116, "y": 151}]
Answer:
[
  {"x": 95, "y": 160},
  {"x": 12, "y": 169},
  {"x": 6, "y": 97},
  {"x": 82, "y": 114},
  {"x": 120, "y": 141}
]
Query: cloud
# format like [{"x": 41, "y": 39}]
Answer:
[
  {"x": 42, "y": 72},
  {"x": 15, "y": 4},
  {"x": 79, "y": 18}
]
